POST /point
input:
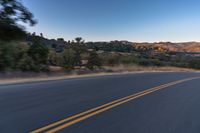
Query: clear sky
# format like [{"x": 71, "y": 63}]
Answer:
[{"x": 105, "y": 20}]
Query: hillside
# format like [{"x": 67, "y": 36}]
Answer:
[{"x": 191, "y": 47}]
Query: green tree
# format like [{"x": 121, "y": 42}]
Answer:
[
  {"x": 11, "y": 12},
  {"x": 39, "y": 55},
  {"x": 79, "y": 48},
  {"x": 79, "y": 40},
  {"x": 93, "y": 61},
  {"x": 69, "y": 58}
]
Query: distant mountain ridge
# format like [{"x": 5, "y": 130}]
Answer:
[{"x": 60, "y": 44}]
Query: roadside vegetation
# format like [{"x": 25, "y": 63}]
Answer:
[{"x": 22, "y": 51}]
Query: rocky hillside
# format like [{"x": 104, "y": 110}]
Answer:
[{"x": 168, "y": 46}]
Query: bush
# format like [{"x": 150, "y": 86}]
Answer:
[
  {"x": 39, "y": 53},
  {"x": 10, "y": 54},
  {"x": 19, "y": 56},
  {"x": 194, "y": 63},
  {"x": 127, "y": 59},
  {"x": 93, "y": 61},
  {"x": 55, "y": 59},
  {"x": 69, "y": 58},
  {"x": 109, "y": 59},
  {"x": 157, "y": 62},
  {"x": 144, "y": 62},
  {"x": 150, "y": 62},
  {"x": 6, "y": 56},
  {"x": 27, "y": 64}
]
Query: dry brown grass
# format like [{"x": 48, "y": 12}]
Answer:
[
  {"x": 114, "y": 70},
  {"x": 136, "y": 68}
]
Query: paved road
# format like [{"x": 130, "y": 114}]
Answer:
[{"x": 171, "y": 109}]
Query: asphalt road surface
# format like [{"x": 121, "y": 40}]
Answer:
[{"x": 129, "y": 103}]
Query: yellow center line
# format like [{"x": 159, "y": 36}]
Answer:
[
  {"x": 86, "y": 112},
  {"x": 84, "y": 115}
]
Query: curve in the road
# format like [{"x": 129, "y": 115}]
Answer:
[{"x": 57, "y": 126}]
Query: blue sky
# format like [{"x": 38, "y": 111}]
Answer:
[{"x": 105, "y": 20}]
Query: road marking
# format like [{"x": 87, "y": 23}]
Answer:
[{"x": 57, "y": 126}]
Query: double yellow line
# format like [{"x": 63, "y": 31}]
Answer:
[{"x": 59, "y": 125}]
